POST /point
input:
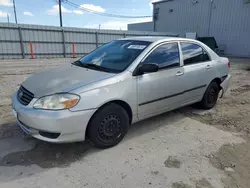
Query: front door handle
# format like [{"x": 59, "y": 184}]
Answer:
[
  {"x": 179, "y": 73},
  {"x": 209, "y": 67}
]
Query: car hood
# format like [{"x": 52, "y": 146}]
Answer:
[{"x": 62, "y": 79}]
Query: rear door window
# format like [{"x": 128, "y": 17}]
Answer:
[{"x": 193, "y": 53}]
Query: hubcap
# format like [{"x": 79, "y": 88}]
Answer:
[{"x": 110, "y": 128}]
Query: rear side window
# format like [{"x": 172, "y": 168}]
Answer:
[
  {"x": 166, "y": 55},
  {"x": 193, "y": 53}
]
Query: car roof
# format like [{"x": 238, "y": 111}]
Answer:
[{"x": 155, "y": 39}]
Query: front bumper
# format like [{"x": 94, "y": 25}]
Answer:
[{"x": 69, "y": 126}]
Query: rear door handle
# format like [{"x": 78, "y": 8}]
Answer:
[
  {"x": 179, "y": 73},
  {"x": 209, "y": 67}
]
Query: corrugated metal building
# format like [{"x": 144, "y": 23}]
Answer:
[{"x": 227, "y": 20}]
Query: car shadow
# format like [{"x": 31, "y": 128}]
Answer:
[
  {"x": 148, "y": 125},
  {"x": 29, "y": 151},
  {"x": 43, "y": 154}
]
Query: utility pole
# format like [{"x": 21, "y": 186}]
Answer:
[
  {"x": 60, "y": 12},
  {"x": 14, "y": 6},
  {"x": 8, "y": 18}
]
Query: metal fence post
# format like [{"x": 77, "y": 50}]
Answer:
[
  {"x": 63, "y": 41},
  {"x": 21, "y": 41},
  {"x": 96, "y": 40},
  {"x": 73, "y": 50},
  {"x": 31, "y": 51}
]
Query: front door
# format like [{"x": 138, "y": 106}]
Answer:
[{"x": 161, "y": 91}]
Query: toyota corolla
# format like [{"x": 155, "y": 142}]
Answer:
[{"x": 122, "y": 82}]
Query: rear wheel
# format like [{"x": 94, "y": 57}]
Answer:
[
  {"x": 108, "y": 126},
  {"x": 210, "y": 97}
]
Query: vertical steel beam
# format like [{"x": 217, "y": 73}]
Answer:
[
  {"x": 63, "y": 41},
  {"x": 21, "y": 41},
  {"x": 96, "y": 39}
]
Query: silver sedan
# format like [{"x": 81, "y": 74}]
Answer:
[{"x": 122, "y": 82}]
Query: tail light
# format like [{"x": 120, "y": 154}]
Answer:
[{"x": 228, "y": 64}]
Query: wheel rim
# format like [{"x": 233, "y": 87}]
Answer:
[
  {"x": 110, "y": 128},
  {"x": 212, "y": 96}
]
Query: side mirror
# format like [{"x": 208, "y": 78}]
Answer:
[{"x": 147, "y": 68}]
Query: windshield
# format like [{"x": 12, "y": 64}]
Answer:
[{"x": 115, "y": 56}]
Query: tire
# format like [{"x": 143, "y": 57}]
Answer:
[
  {"x": 108, "y": 126},
  {"x": 210, "y": 97}
]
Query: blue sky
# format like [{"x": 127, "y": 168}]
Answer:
[{"x": 45, "y": 12}]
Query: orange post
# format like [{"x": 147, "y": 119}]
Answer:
[
  {"x": 73, "y": 50},
  {"x": 31, "y": 51}
]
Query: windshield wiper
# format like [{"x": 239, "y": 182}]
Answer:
[
  {"x": 77, "y": 63},
  {"x": 94, "y": 66},
  {"x": 97, "y": 67},
  {"x": 85, "y": 65}
]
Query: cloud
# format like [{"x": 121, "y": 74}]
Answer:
[
  {"x": 117, "y": 25},
  {"x": 151, "y": 3},
  {"x": 78, "y": 12},
  {"x": 3, "y": 14},
  {"x": 26, "y": 13},
  {"x": 7, "y": 3},
  {"x": 93, "y": 7},
  {"x": 55, "y": 10}
]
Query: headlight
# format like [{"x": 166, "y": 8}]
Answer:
[{"x": 57, "y": 101}]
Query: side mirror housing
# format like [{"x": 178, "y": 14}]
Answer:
[{"x": 147, "y": 68}]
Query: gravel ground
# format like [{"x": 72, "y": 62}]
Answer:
[{"x": 186, "y": 148}]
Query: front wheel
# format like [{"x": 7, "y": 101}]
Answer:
[
  {"x": 210, "y": 97},
  {"x": 108, "y": 126}
]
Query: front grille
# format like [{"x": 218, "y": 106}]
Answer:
[{"x": 24, "y": 96}]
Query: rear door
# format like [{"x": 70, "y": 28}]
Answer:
[{"x": 198, "y": 72}]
